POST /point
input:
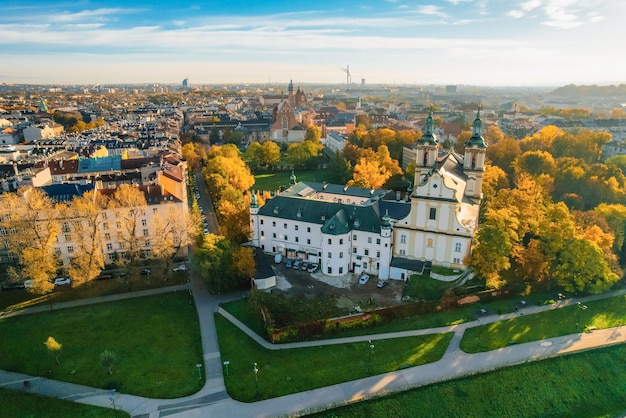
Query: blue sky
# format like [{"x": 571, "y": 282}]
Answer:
[{"x": 477, "y": 42}]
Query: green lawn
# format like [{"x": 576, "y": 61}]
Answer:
[
  {"x": 604, "y": 313},
  {"x": 273, "y": 180},
  {"x": 282, "y": 372},
  {"x": 156, "y": 340},
  {"x": 425, "y": 288},
  {"x": 18, "y": 299},
  {"x": 19, "y": 405},
  {"x": 579, "y": 385}
]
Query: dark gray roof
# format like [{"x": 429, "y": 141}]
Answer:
[
  {"x": 263, "y": 268},
  {"x": 416, "y": 266}
]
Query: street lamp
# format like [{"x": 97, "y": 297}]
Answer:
[
  {"x": 226, "y": 363},
  {"x": 369, "y": 361},
  {"x": 581, "y": 308},
  {"x": 112, "y": 399},
  {"x": 256, "y": 378},
  {"x": 199, "y": 367},
  {"x": 479, "y": 331}
]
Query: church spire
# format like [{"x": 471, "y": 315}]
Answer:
[{"x": 477, "y": 139}]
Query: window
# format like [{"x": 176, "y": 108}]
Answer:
[
  {"x": 105, "y": 226},
  {"x": 308, "y": 229},
  {"x": 154, "y": 210},
  {"x": 402, "y": 252},
  {"x": 340, "y": 270},
  {"x": 57, "y": 251},
  {"x": 341, "y": 254},
  {"x": 429, "y": 243},
  {"x": 308, "y": 241},
  {"x": 262, "y": 233},
  {"x": 330, "y": 255},
  {"x": 340, "y": 241},
  {"x": 378, "y": 241},
  {"x": 330, "y": 241},
  {"x": 6, "y": 245},
  {"x": 354, "y": 250},
  {"x": 144, "y": 222},
  {"x": 296, "y": 227},
  {"x": 118, "y": 225},
  {"x": 402, "y": 239},
  {"x": 364, "y": 266},
  {"x": 377, "y": 266},
  {"x": 369, "y": 240},
  {"x": 4, "y": 231},
  {"x": 433, "y": 213},
  {"x": 354, "y": 237},
  {"x": 109, "y": 246},
  {"x": 13, "y": 230},
  {"x": 67, "y": 237},
  {"x": 297, "y": 239},
  {"x": 107, "y": 236},
  {"x": 456, "y": 260},
  {"x": 121, "y": 245},
  {"x": 273, "y": 223},
  {"x": 70, "y": 249},
  {"x": 273, "y": 234},
  {"x": 286, "y": 238},
  {"x": 145, "y": 232},
  {"x": 284, "y": 226},
  {"x": 66, "y": 227},
  {"x": 377, "y": 254},
  {"x": 457, "y": 247},
  {"x": 367, "y": 252},
  {"x": 329, "y": 270},
  {"x": 261, "y": 221}
]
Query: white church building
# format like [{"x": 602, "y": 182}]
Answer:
[{"x": 385, "y": 233}]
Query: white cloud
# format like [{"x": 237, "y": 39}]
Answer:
[
  {"x": 516, "y": 14},
  {"x": 431, "y": 10},
  {"x": 100, "y": 14},
  {"x": 530, "y": 5}
]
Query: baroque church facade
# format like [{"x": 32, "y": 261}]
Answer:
[
  {"x": 381, "y": 232},
  {"x": 287, "y": 121}
]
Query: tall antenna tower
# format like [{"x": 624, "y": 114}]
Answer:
[{"x": 348, "y": 77}]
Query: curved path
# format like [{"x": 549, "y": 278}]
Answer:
[{"x": 212, "y": 399}]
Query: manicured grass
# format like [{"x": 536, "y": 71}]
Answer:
[
  {"x": 604, "y": 313},
  {"x": 156, "y": 340},
  {"x": 282, "y": 372},
  {"x": 18, "y": 299},
  {"x": 444, "y": 271},
  {"x": 578, "y": 385},
  {"x": 425, "y": 288},
  {"x": 273, "y": 180},
  {"x": 242, "y": 310},
  {"x": 19, "y": 405}
]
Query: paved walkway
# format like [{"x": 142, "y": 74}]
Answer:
[{"x": 212, "y": 399}]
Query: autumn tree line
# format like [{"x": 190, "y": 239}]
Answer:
[{"x": 33, "y": 225}]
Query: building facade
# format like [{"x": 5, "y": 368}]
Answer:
[{"x": 381, "y": 232}]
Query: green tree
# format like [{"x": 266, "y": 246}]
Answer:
[
  {"x": 339, "y": 169},
  {"x": 254, "y": 156},
  {"x": 313, "y": 133},
  {"x": 582, "y": 268},
  {"x": 107, "y": 359},
  {"x": 271, "y": 153}
]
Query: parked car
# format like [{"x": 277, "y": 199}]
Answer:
[
  {"x": 61, "y": 281},
  {"x": 364, "y": 279},
  {"x": 206, "y": 231},
  {"x": 28, "y": 284},
  {"x": 180, "y": 267},
  {"x": 382, "y": 283},
  {"x": 145, "y": 272},
  {"x": 305, "y": 265},
  {"x": 289, "y": 263},
  {"x": 12, "y": 286},
  {"x": 296, "y": 264},
  {"x": 104, "y": 276},
  {"x": 312, "y": 267}
]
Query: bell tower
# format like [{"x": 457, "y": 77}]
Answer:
[
  {"x": 474, "y": 160},
  {"x": 426, "y": 152}
]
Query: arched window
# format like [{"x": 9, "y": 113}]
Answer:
[
  {"x": 285, "y": 122},
  {"x": 429, "y": 243}
]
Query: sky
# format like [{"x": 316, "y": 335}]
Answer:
[{"x": 464, "y": 42}]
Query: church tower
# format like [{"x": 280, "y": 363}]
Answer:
[
  {"x": 474, "y": 161},
  {"x": 291, "y": 96},
  {"x": 426, "y": 153}
]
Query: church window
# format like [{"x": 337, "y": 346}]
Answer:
[
  {"x": 433, "y": 213},
  {"x": 457, "y": 247},
  {"x": 425, "y": 162},
  {"x": 285, "y": 122},
  {"x": 403, "y": 239}
]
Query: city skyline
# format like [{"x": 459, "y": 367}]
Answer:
[{"x": 475, "y": 42}]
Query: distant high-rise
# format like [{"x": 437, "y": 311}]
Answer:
[
  {"x": 186, "y": 83},
  {"x": 450, "y": 89}
]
